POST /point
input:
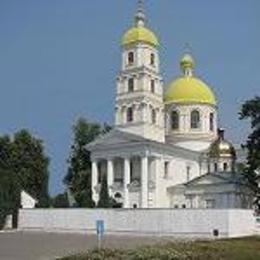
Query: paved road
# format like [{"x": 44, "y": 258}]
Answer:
[{"x": 43, "y": 246}]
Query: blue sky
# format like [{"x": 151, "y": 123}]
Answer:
[{"x": 59, "y": 60}]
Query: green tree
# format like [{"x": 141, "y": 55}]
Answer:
[
  {"x": 23, "y": 166},
  {"x": 9, "y": 185},
  {"x": 78, "y": 178},
  {"x": 31, "y": 165},
  {"x": 7, "y": 200},
  {"x": 251, "y": 110},
  {"x": 104, "y": 199}
]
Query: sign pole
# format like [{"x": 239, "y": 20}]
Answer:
[{"x": 100, "y": 227}]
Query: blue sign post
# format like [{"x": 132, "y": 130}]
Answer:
[{"x": 100, "y": 227}]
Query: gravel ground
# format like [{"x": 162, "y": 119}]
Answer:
[{"x": 41, "y": 245}]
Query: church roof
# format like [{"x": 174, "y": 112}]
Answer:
[
  {"x": 121, "y": 139},
  {"x": 219, "y": 178}
]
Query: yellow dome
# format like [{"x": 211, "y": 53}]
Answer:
[
  {"x": 189, "y": 90},
  {"x": 140, "y": 34}
]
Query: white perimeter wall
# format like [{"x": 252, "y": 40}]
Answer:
[{"x": 175, "y": 222}]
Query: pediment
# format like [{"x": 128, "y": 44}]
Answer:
[
  {"x": 115, "y": 137},
  {"x": 207, "y": 179}
]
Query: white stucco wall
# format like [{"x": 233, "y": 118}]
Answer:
[{"x": 181, "y": 222}]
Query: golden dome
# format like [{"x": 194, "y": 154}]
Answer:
[
  {"x": 140, "y": 34},
  {"x": 188, "y": 88},
  {"x": 222, "y": 148}
]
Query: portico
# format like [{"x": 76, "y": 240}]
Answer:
[{"x": 126, "y": 174}]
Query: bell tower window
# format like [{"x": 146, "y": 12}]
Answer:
[
  {"x": 152, "y": 59},
  {"x": 195, "y": 119},
  {"x": 175, "y": 120},
  {"x": 215, "y": 167},
  {"x": 154, "y": 116},
  {"x": 211, "y": 122},
  {"x": 166, "y": 170},
  {"x": 225, "y": 167},
  {"x": 130, "y": 85},
  {"x": 188, "y": 173},
  {"x": 130, "y": 58},
  {"x": 152, "y": 86},
  {"x": 129, "y": 115}
]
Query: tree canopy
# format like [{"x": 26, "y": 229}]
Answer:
[{"x": 251, "y": 110}]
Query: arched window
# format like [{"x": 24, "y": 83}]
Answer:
[
  {"x": 175, "y": 120},
  {"x": 215, "y": 167},
  {"x": 152, "y": 86},
  {"x": 152, "y": 59},
  {"x": 130, "y": 58},
  {"x": 225, "y": 167},
  {"x": 195, "y": 119},
  {"x": 166, "y": 170},
  {"x": 211, "y": 122},
  {"x": 188, "y": 173},
  {"x": 154, "y": 116},
  {"x": 129, "y": 115},
  {"x": 131, "y": 85}
]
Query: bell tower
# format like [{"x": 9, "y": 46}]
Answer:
[{"x": 139, "y": 96}]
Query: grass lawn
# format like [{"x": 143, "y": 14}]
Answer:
[{"x": 226, "y": 249}]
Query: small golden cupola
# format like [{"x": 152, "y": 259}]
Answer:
[{"x": 222, "y": 154}]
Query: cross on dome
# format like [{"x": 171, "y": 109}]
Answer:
[
  {"x": 187, "y": 62},
  {"x": 140, "y": 17}
]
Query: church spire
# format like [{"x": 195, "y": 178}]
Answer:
[{"x": 140, "y": 17}]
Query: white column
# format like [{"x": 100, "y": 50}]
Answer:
[
  {"x": 144, "y": 182},
  {"x": 126, "y": 181},
  {"x": 157, "y": 177},
  {"x": 110, "y": 175},
  {"x": 94, "y": 180}
]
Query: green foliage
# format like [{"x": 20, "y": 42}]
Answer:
[
  {"x": 104, "y": 199},
  {"x": 60, "y": 201},
  {"x": 78, "y": 178},
  {"x": 9, "y": 195},
  {"x": 251, "y": 110},
  {"x": 31, "y": 164},
  {"x": 23, "y": 166}
]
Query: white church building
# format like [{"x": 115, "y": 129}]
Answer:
[{"x": 166, "y": 149}]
